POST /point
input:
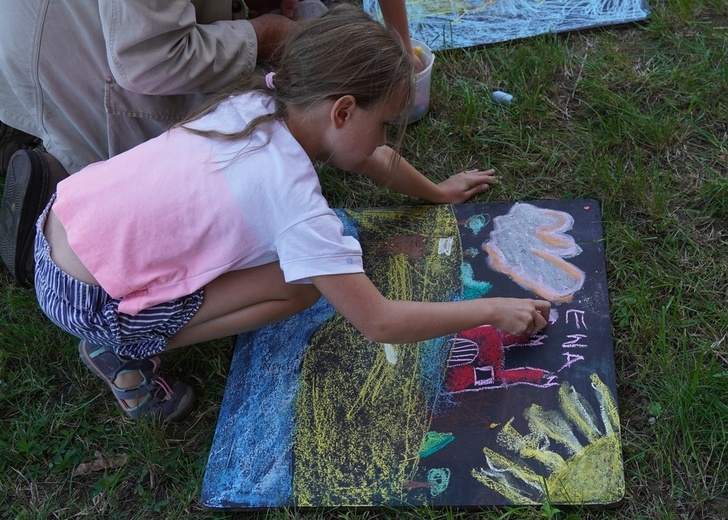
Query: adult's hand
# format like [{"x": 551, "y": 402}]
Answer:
[
  {"x": 258, "y": 8},
  {"x": 271, "y": 30}
]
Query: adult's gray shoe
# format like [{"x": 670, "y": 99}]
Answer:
[
  {"x": 31, "y": 179},
  {"x": 12, "y": 140}
]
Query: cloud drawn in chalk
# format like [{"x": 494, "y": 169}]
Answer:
[{"x": 529, "y": 244}]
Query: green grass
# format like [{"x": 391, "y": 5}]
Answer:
[{"x": 635, "y": 117}]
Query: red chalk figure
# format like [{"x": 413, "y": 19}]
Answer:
[{"x": 477, "y": 361}]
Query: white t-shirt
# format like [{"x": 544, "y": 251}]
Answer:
[{"x": 172, "y": 214}]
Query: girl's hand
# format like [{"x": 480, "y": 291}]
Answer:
[
  {"x": 416, "y": 62},
  {"x": 464, "y": 185},
  {"x": 520, "y": 315}
]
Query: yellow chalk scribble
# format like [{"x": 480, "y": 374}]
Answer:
[
  {"x": 592, "y": 471},
  {"x": 361, "y": 414},
  {"x": 456, "y": 8}
]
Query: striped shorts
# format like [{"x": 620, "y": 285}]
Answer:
[{"x": 89, "y": 313}]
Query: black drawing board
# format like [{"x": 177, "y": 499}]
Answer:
[{"x": 316, "y": 415}]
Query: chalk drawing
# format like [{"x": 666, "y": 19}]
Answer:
[
  {"x": 553, "y": 315},
  {"x": 477, "y": 362},
  {"x": 360, "y": 418},
  {"x": 577, "y": 316},
  {"x": 472, "y": 288},
  {"x": 470, "y": 253},
  {"x": 577, "y": 450},
  {"x": 316, "y": 415},
  {"x": 444, "y": 247},
  {"x": 574, "y": 340},
  {"x": 448, "y": 24},
  {"x": 477, "y": 222},
  {"x": 571, "y": 358},
  {"x": 390, "y": 352},
  {"x": 439, "y": 478},
  {"x": 435, "y": 441},
  {"x": 411, "y": 245},
  {"x": 261, "y": 424},
  {"x": 529, "y": 244}
]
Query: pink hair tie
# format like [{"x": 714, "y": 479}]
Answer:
[{"x": 269, "y": 81}]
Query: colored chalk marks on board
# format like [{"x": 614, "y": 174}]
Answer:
[
  {"x": 530, "y": 245},
  {"x": 383, "y": 407},
  {"x": 589, "y": 469},
  {"x": 451, "y": 24},
  {"x": 316, "y": 415}
]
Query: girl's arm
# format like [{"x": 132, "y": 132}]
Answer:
[
  {"x": 392, "y": 321},
  {"x": 408, "y": 180},
  {"x": 395, "y": 15}
]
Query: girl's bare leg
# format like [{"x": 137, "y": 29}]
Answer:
[
  {"x": 240, "y": 301},
  {"x": 237, "y": 302}
]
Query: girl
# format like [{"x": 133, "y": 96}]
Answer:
[{"x": 219, "y": 226}]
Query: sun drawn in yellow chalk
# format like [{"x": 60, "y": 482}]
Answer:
[{"x": 592, "y": 471}]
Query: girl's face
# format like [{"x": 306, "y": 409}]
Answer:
[{"x": 358, "y": 132}]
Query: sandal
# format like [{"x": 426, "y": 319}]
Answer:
[{"x": 162, "y": 397}]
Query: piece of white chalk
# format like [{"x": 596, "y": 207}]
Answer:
[{"x": 504, "y": 98}]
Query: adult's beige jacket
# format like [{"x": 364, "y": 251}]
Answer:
[{"x": 93, "y": 78}]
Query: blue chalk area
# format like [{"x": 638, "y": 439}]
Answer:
[
  {"x": 250, "y": 463},
  {"x": 350, "y": 228},
  {"x": 251, "y": 458},
  {"x": 472, "y": 288},
  {"x": 433, "y": 357},
  {"x": 477, "y": 23}
]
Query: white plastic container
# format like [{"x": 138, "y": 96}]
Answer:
[{"x": 423, "y": 80}]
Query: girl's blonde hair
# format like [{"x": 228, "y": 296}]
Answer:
[{"x": 343, "y": 52}]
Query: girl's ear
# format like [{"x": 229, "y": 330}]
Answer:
[{"x": 342, "y": 110}]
